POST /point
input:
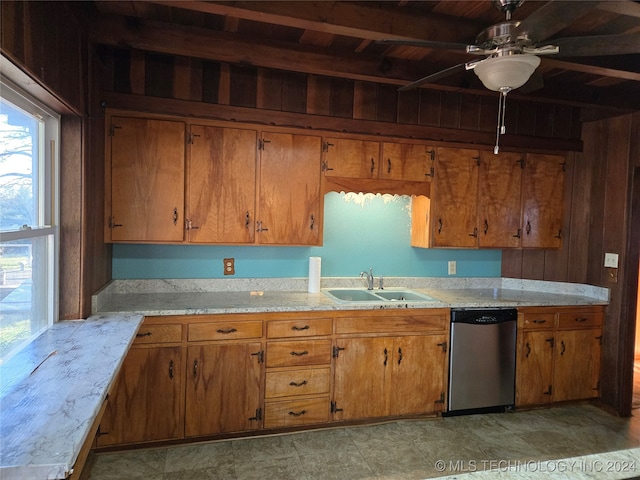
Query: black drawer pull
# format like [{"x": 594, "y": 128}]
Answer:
[
  {"x": 145, "y": 334},
  {"x": 299, "y": 354},
  {"x": 539, "y": 321},
  {"x": 297, "y": 414},
  {"x": 298, "y": 329},
  {"x": 294, "y": 384},
  {"x": 580, "y": 320},
  {"x": 227, "y": 330}
]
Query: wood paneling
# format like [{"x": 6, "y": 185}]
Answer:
[
  {"x": 474, "y": 117},
  {"x": 71, "y": 202}
]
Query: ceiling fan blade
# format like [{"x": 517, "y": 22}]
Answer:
[
  {"x": 436, "y": 76},
  {"x": 621, "y": 44},
  {"x": 424, "y": 43},
  {"x": 551, "y": 18}
]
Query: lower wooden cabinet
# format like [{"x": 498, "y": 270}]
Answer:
[
  {"x": 223, "y": 388},
  {"x": 209, "y": 375},
  {"x": 396, "y": 374},
  {"x": 298, "y": 372},
  {"x": 558, "y": 355},
  {"x": 145, "y": 404}
]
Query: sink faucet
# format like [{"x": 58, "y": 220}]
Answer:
[{"x": 369, "y": 278}]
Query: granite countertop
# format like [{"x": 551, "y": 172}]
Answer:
[
  {"x": 52, "y": 390},
  {"x": 189, "y": 297}
]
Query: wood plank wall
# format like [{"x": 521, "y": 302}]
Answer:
[{"x": 157, "y": 75}]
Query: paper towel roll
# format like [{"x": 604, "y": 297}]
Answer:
[{"x": 314, "y": 274}]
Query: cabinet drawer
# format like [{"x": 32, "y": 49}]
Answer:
[
  {"x": 538, "y": 320},
  {"x": 392, "y": 324},
  {"x": 296, "y": 412},
  {"x": 304, "y": 327},
  {"x": 224, "y": 330},
  {"x": 304, "y": 352},
  {"x": 578, "y": 319},
  {"x": 297, "y": 382},
  {"x": 158, "y": 334}
]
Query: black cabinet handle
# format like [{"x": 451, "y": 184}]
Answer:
[
  {"x": 297, "y": 414},
  {"x": 226, "y": 330},
  {"x": 299, "y": 354}
]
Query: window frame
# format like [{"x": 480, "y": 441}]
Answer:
[{"x": 48, "y": 203}]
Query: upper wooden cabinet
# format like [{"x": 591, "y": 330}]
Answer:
[
  {"x": 347, "y": 157},
  {"x": 407, "y": 161},
  {"x": 243, "y": 185},
  {"x": 454, "y": 196},
  {"x": 542, "y": 201},
  {"x": 145, "y": 187},
  {"x": 365, "y": 159},
  {"x": 221, "y": 197},
  {"x": 289, "y": 200},
  {"x": 482, "y": 200},
  {"x": 499, "y": 181}
]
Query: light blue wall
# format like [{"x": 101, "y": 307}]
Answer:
[{"x": 360, "y": 231}]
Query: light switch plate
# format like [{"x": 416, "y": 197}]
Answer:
[
  {"x": 452, "y": 267},
  {"x": 611, "y": 260}
]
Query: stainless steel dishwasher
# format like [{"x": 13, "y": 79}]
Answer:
[{"x": 482, "y": 360}]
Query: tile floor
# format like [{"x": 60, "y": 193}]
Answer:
[{"x": 398, "y": 450}]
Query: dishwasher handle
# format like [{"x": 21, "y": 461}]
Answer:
[{"x": 484, "y": 317}]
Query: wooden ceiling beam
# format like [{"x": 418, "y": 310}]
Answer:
[
  {"x": 342, "y": 18},
  {"x": 232, "y": 48},
  {"x": 370, "y": 23},
  {"x": 592, "y": 69}
]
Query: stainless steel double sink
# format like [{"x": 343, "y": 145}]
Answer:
[{"x": 362, "y": 295}]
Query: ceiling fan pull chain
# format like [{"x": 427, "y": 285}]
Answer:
[{"x": 502, "y": 106}]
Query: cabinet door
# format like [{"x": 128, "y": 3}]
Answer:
[
  {"x": 406, "y": 161},
  {"x": 419, "y": 371},
  {"x": 499, "y": 183},
  {"x": 221, "y": 185},
  {"x": 147, "y": 180},
  {"x": 350, "y": 158},
  {"x": 145, "y": 404},
  {"x": 223, "y": 388},
  {"x": 534, "y": 368},
  {"x": 542, "y": 201},
  {"x": 362, "y": 375},
  {"x": 289, "y": 199},
  {"x": 455, "y": 196},
  {"x": 577, "y": 364}
]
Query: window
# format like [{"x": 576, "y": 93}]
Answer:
[{"x": 28, "y": 218}]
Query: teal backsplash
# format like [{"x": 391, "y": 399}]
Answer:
[{"x": 360, "y": 231}]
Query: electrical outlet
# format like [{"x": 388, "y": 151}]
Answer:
[
  {"x": 229, "y": 266},
  {"x": 452, "y": 267}
]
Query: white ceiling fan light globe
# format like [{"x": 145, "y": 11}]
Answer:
[{"x": 510, "y": 71}]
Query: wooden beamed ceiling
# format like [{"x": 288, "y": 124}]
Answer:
[{"x": 338, "y": 39}]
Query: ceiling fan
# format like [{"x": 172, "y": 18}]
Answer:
[{"x": 512, "y": 48}]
